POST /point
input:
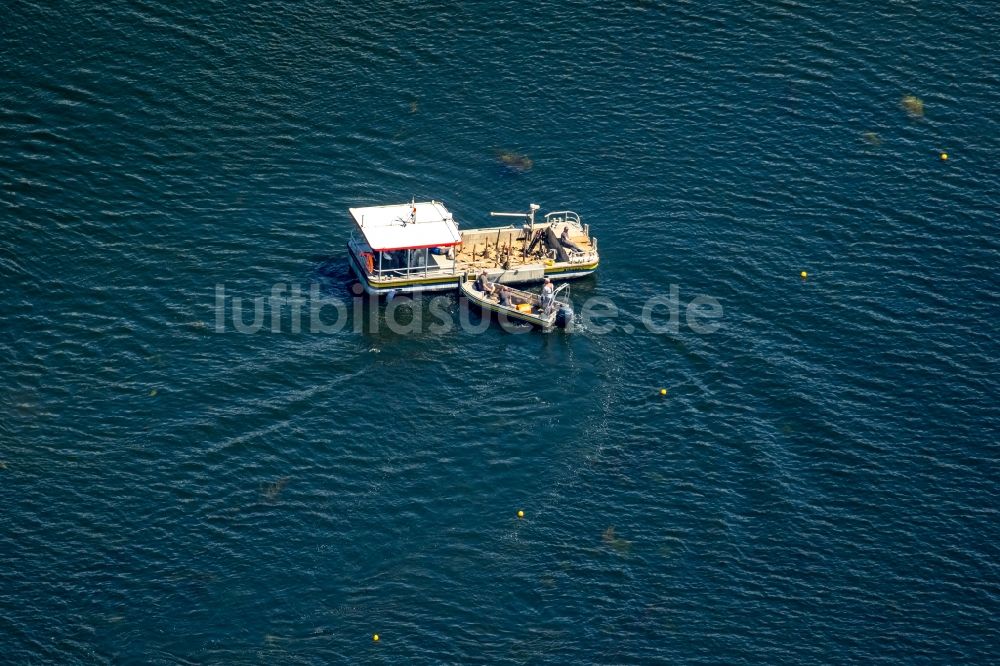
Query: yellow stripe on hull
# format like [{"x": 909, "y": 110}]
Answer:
[{"x": 451, "y": 281}]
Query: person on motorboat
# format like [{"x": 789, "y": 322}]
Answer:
[
  {"x": 505, "y": 296},
  {"x": 547, "y": 296},
  {"x": 484, "y": 285}
]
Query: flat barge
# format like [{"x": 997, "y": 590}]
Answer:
[{"x": 418, "y": 246}]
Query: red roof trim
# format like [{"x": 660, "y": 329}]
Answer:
[{"x": 414, "y": 247}]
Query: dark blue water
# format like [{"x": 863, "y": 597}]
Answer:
[{"x": 819, "y": 485}]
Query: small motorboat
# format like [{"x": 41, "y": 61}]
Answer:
[{"x": 525, "y": 306}]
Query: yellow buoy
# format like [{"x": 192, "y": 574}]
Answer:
[
  {"x": 375, "y": 637},
  {"x": 520, "y": 514},
  {"x": 944, "y": 156},
  {"x": 804, "y": 274},
  {"x": 663, "y": 391}
]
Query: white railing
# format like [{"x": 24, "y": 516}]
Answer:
[
  {"x": 570, "y": 217},
  {"x": 561, "y": 216}
]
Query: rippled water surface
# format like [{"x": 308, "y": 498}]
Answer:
[{"x": 819, "y": 484}]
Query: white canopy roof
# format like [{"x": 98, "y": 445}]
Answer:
[{"x": 407, "y": 226}]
